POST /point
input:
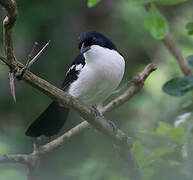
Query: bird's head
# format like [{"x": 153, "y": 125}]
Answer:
[{"x": 91, "y": 38}]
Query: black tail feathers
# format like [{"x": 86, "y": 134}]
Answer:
[{"x": 49, "y": 122}]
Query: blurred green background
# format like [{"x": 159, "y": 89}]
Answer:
[{"x": 163, "y": 150}]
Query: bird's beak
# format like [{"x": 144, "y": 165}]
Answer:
[{"x": 84, "y": 48}]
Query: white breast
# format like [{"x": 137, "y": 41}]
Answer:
[{"x": 101, "y": 74}]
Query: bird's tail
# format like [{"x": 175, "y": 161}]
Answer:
[{"x": 49, "y": 122}]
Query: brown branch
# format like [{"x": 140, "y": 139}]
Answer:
[
  {"x": 38, "y": 54},
  {"x": 30, "y": 61},
  {"x": 8, "y": 24},
  {"x": 15, "y": 158},
  {"x": 176, "y": 52},
  {"x": 30, "y": 55},
  {"x": 12, "y": 85},
  {"x": 9, "y": 21}
]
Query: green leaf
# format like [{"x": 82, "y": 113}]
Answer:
[
  {"x": 92, "y": 3},
  {"x": 190, "y": 32},
  {"x": 177, "y": 134},
  {"x": 157, "y": 155},
  {"x": 138, "y": 151},
  {"x": 190, "y": 60},
  {"x": 178, "y": 86},
  {"x": 163, "y": 128},
  {"x": 189, "y": 27},
  {"x": 156, "y": 23}
]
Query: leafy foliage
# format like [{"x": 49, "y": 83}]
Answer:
[
  {"x": 163, "y": 155},
  {"x": 138, "y": 150},
  {"x": 178, "y": 86},
  {"x": 156, "y": 23}
]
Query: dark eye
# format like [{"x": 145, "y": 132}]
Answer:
[{"x": 94, "y": 40}]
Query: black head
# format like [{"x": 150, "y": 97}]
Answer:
[{"x": 90, "y": 38}]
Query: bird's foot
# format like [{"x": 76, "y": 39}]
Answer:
[
  {"x": 96, "y": 113},
  {"x": 115, "y": 129}
]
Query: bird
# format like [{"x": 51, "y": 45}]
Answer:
[{"x": 92, "y": 77}]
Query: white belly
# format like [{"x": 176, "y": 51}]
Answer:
[{"x": 99, "y": 77}]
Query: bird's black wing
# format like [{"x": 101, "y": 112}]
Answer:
[
  {"x": 74, "y": 70},
  {"x": 53, "y": 117}
]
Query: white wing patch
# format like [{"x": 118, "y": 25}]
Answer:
[
  {"x": 70, "y": 69},
  {"x": 79, "y": 67}
]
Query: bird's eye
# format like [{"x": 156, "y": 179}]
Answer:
[{"x": 94, "y": 39}]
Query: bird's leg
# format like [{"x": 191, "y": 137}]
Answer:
[{"x": 96, "y": 112}]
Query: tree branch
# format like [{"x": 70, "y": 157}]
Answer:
[
  {"x": 9, "y": 21},
  {"x": 15, "y": 158},
  {"x": 176, "y": 52},
  {"x": 8, "y": 24}
]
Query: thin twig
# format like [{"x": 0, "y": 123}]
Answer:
[
  {"x": 12, "y": 85},
  {"x": 39, "y": 53},
  {"x": 20, "y": 74},
  {"x": 176, "y": 52},
  {"x": 31, "y": 54}
]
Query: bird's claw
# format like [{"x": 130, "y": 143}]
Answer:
[
  {"x": 115, "y": 129},
  {"x": 96, "y": 113}
]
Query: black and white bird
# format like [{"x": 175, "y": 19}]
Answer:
[{"x": 95, "y": 73}]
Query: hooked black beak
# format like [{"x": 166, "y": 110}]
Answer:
[{"x": 84, "y": 48}]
